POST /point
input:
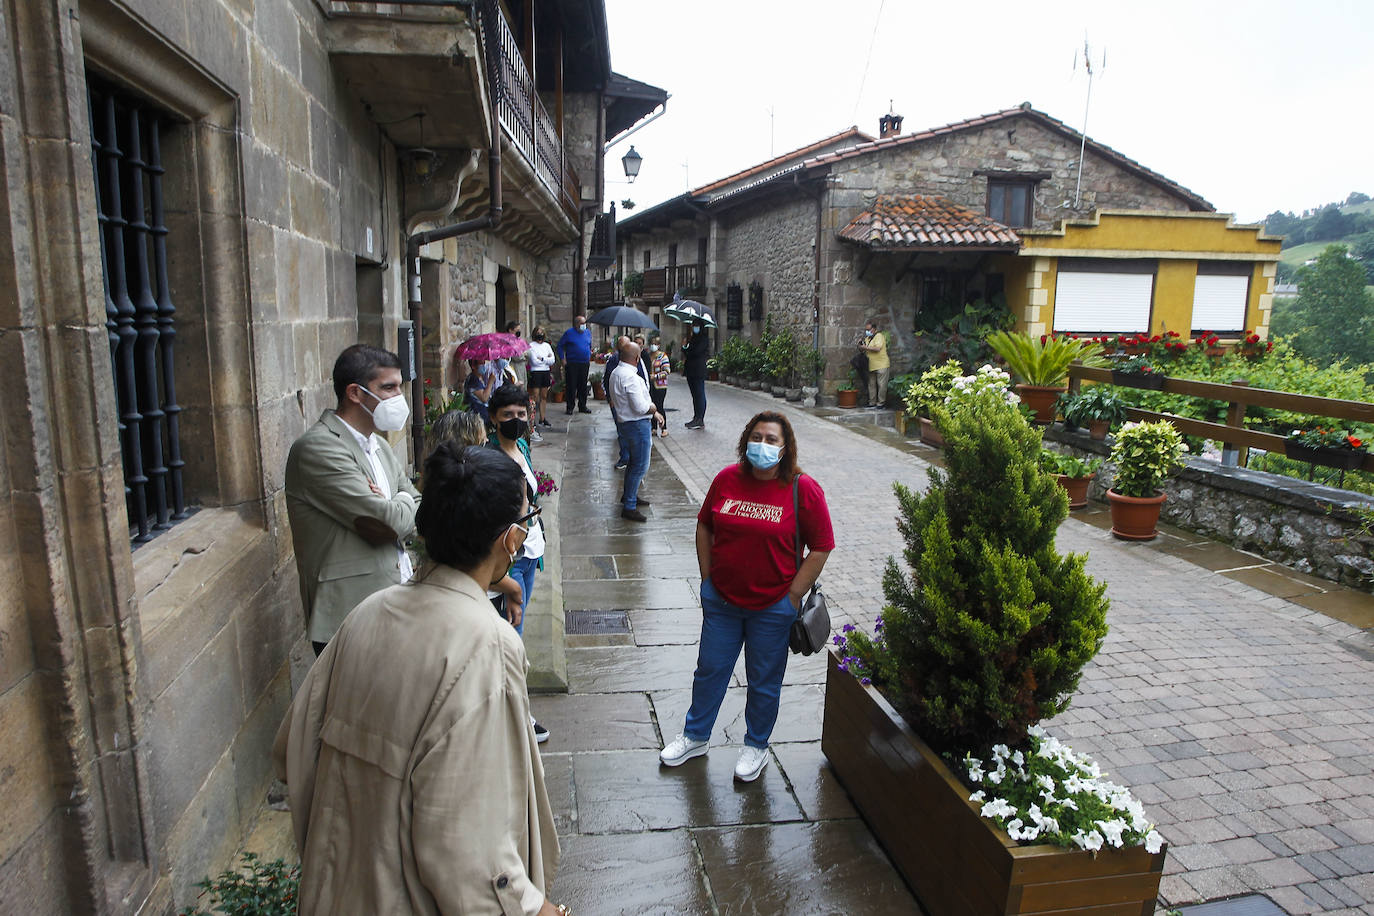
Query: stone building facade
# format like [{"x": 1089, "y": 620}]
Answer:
[
  {"x": 994, "y": 208},
  {"x": 204, "y": 201}
]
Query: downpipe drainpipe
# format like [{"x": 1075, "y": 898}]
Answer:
[{"x": 418, "y": 240}]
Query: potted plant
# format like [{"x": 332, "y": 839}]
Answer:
[
  {"x": 1096, "y": 408},
  {"x": 633, "y": 286},
  {"x": 1042, "y": 364},
  {"x": 1327, "y": 446},
  {"x": 594, "y": 379},
  {"x": 927, "y": 393},
  {"x": 1073, "y": 474},
  {"x": 1144, "y": 454},
  {"x": 713, "y": 369},
  {"x": 847, "y": 392},
  {"x": 931, "y": 724},
  {"x": 1139, "y": 372},
  {"x": 556, "y": 391},
  {"x": 1252, "y": 347}
]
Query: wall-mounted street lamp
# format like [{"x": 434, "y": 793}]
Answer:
[
  {"x": 422, "y": 158},
  {"x": 631, "y": 161}
]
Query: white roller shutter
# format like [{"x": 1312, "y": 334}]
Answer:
[
  {"x": 1112, "y": 302},
  {"x": 1219, "y": 303}
]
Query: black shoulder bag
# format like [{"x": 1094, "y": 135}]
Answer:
[{"x": 812, "y": 627}]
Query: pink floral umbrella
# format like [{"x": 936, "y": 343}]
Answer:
[{"x": 491, "y": 346}]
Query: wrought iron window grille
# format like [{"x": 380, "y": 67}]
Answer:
[
  {"x": 734, "y": 307},
  {"x": 140, "y": 318},
  {"x": 755, "y": 301}
]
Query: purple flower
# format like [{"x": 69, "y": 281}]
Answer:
[
  {"x": 839, "y": 640},
  {"x": 865, "y": 681},
  {"x": 843, "y": 666},
  {"x": 878, "y": 624},
  {"x": 848, "y": 628}
]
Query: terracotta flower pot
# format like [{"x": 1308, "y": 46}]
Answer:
[
  {"x": 1076, "y": 487},
  {"x": 847, "y": 397},
  {"x": 1098, "y": 429},
  {"x": 1041, "y": 399},
  {"x": 598, "y": 391},
  {"x": 556, "y": 397},
  {"x": 1135, "y": 518},
  {"x": 930, "y": 433}
]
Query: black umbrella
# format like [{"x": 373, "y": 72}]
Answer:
[
  {"x": 622, "y": 316},
  {"x": 688, "y": 311}
]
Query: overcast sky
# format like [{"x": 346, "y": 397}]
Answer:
[{"x": 1256, "y": 106}]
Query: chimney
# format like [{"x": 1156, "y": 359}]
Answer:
[{"x": 889, "y": 125}]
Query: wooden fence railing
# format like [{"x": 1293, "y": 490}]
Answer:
[{"x": 1236, "y": 439}]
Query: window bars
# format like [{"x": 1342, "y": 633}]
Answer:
[{"x": 139, "y": 315}]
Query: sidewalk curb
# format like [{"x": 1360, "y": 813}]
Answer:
[{"x": 545, "y": 641}]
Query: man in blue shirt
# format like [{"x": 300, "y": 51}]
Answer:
[{"x": 574, "y": 353}]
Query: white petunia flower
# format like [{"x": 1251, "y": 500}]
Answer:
[{"x": 1153, "y": 842}]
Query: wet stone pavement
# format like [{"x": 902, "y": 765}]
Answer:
[
  {"x": 638, "y": 838},
  {"x": 1236, "y": 698}
]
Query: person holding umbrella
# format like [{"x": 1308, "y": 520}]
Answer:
[{"x": 697, "y": 350}]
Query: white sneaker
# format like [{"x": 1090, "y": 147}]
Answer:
[
  {"x": 752, "y": 760},
  {"x": 682, "y": 749}
]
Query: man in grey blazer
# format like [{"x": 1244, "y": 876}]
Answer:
[{"x": 347, "y": 496}]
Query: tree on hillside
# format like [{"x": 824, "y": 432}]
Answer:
[
  {"x": 1333, "y": 317},
  {"x": 1356, "y": 198}
]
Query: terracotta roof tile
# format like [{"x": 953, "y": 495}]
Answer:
[
  {"x": 852, "y": 133},
  {"x": 901, "y": 222}
]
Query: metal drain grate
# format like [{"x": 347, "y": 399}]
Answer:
[
  {"x": 596, "y": 623},
  {"x": 1250, "y": 905}
]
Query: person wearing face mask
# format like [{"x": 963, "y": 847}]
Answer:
[
  {"x": 482, "y": 380},
  {"x": 751, "y": 585},
  {"x": 575, "y": 356},
  {"x": 628, "y": 393},
  {"x": 660, "y": 367},
  {"x": 622, "y": 444},
  {"x": 879, "y": 364},
  {"x": 413, "y": 776},
  {"x": 541, "y": 358},
  {"x": 348, "y": 498},
  {"x": 696, "y": 349}
]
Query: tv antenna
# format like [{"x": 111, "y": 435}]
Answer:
[{"x": 1083, "y": 141}]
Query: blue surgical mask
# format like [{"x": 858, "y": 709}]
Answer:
[
  {"x": 696, "y": 329},
  {"x": 762, "y": 455}
]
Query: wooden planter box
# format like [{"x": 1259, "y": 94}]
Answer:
[
  {"x": 955, "y": 860},
  {"x": 1153, "y": 381},
  {"x": 930, "y": 433},
  {"x": 1346, "y": 459}
]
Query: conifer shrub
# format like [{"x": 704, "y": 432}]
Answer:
[{"x": 989, "y": 630}]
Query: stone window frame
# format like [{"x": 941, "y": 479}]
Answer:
[
  {"x": 154, "y": 585},
  {"x": 1002, "y": 181}
]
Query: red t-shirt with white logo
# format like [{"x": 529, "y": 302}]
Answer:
[{"x": 753, "y": 530}]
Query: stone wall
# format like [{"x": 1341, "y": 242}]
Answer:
[
  {"x": 140, "y": 689},
  {"x": 1314, "y": 529},
  {"x": 772, "y": 246}
]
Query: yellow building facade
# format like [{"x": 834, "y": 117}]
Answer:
[{"x": 1153, "y": 272}]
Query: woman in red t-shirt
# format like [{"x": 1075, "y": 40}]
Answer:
[{"x": 751, "y": 586}]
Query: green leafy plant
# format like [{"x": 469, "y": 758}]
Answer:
[
  {"x": 813, "y": 365},
  {"x": 633, "y": 284},
  {"x": 933, "y": 387},
  {"x": 1137, "y": 365},
  {"x": 989, "y": 630},
  {"x": 1043, "y": 361},
  {"x": 899, "y": 385},
  {"x": 851, "y": 382},
  {"x": 781, "y": 358},
  {"x": 257, "y": 888},
  {"x": 1145, "y": 454},
  {"x": 1068, "y": 465},
  {"x": 1094, "y": 403},
  {"x": 436, "y": 404}
]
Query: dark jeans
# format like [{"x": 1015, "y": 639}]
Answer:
[
  {"x": 575, "y": 377},
  {"x": 659, "y": 396},
  {"x": 697, "y": 386}
]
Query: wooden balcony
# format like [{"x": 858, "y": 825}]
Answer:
[
  {"x": 602, "y": 293},
  {"x": 687, "y": 279}
]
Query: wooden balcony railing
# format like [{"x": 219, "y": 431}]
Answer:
[
  {"x": 603, "y": 293},
  {"x": 522, "y": 114},
  {"x": 1235, "y": 437},
  {"x": 689, "y": 280},
  {"x": 656, "y": 286}
]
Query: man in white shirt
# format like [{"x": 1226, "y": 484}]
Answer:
[
  {"x": 628, "y": 393},
  {"x": 348, "y": 499}
]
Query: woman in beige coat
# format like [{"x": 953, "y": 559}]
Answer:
[{"x": 415, "y": 781}]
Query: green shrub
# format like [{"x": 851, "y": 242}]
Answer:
[
  {"x": 781, "y": 359},
  {"x": 933, "y": 387},
  {"x": 1145, "y": 454},
  {"x": 1068, "y": 465},
  {"x": 990, "y": 631},
  {"x": 1095, "y": 403},
  {"x": 256, "y": 889}
]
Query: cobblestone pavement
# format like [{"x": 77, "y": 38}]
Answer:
[{"x": 1240, "y": 716}]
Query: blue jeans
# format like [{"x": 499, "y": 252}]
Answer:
[
  {"x": 523, "y": 572},
  {"x": 724, "y": 629},
  {"x": 697, "y": 387},
  {"x": 637, "y": 435},
  {"x": 622, "y": 439}
]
